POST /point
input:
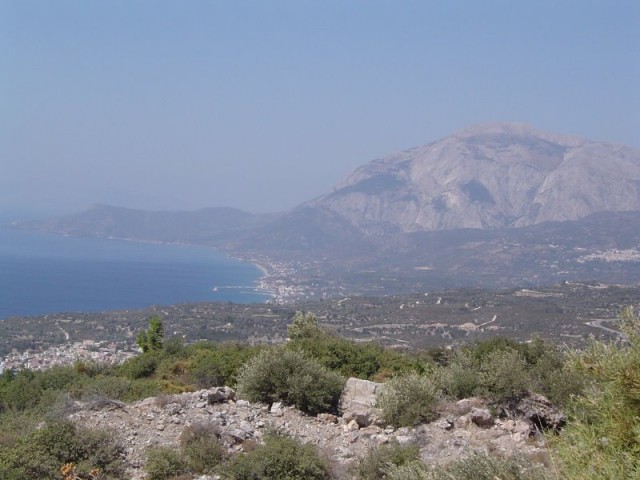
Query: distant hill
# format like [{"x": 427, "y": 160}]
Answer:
[{"x": 205, "y": 226}]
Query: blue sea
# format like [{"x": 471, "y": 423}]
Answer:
[{"x": 42, "y": 273}]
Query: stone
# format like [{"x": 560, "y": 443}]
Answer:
[
  {"x": 481, "y": 417},
  {"x": 277, "y": 409},
  {"x": 352, "y": 426},
  {"x": 536, "y": 410},
  {"x": 358, "y": 401},
  {"x": 327, "y": 418},
  {"x": 540, "y": 413},
  {"x": 444, "y": 424},
  {"x": 404, "y": 439},
  {"x": 173, "y": 408},
  {"x": 220, "y": 395}
]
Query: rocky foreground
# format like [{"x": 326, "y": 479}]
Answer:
[{"x": 464, "y": 427}]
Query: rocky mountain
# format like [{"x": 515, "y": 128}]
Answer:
[{"x": 488, "y": 176}]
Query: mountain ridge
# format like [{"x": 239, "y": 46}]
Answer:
[{"x": 488, "y": 176}]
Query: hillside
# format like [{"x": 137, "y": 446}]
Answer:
[{"x": 208, "y": 225}]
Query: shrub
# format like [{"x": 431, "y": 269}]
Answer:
[
  {"x": 483, "y": 349},
  {"x": 40, "y": 453},
  {"x": 476, "y": 467},
  {"x": 303, "y": 325},
  {"x": 373, "y": 466},
  {"x": 367, "y": 360},
  {"x": 114, "y": 388},
  {"x": 503, "y": 374},
  {"x": 283, "y": 375},
  {"x": 560, "y": 385},
  {"x": 164, "y": 463},
  {"x": 601, "y": 440},
  {"x": 279, "y": 458},
  {"x": 101, "y": 452},
  {"x": 460, "y": 379},
  {"x": 29, "y": 389},
  {"x": 201, "y": 448},
  {"x": 142, "y": 366},
  {"x": 408, "y": 400},
  {"x": 216, "y": 365}
]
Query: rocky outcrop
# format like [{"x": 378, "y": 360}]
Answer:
[
  {"x": 344, "y": 439},
  {"x": 358, "y": 401},
  {"x": 537, "y": 411},
  {"x": 488, "y": 176}
]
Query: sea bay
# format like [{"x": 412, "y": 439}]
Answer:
[{"x": 43, "y": 273}]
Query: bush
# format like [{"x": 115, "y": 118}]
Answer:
[
  {"x": 216, "y": 365},
  {"x": 201, "y": 448},
  {"x": 142, "y": 366},
  {"x": 279, "y": 458},
  {"x": 40, "y": 453},
  {"x": 365, "y": 360},
  {"x": 29, "y": 389},
  {"x": 476, "y": 467},
  {"x": 460, "y": 379},
  {"x": 164, "y": 463},
  {"x": 409, "y": 400},
  {"x": 283, "y": 375},
  {"x": 503, "y": 374},
  {"x": 378, "y": 460},
  {"x": 500, "y": 368},
  {"x": 601, "y": 440}
]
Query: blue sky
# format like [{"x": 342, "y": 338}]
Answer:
[{"x": 262, "y": 105}]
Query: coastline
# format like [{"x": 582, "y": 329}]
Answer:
[
  {"x": 275, "y": 281},
  {"x": 208, "y": 273}
]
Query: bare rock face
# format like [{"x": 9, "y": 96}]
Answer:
[
  {"x": 358, "y": 401},
  {"x": 488, "y": 176}
]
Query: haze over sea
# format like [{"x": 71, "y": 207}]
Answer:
[{"x": 42, "y": 273}]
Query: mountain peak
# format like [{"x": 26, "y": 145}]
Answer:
[
  {"x": 516, "y": 129},
  {"x": 491, "y": 175}
]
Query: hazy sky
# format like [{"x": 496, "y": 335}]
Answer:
[{"x": 262, "y": 105}]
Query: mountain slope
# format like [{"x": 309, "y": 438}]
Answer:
[{"x": 488, "y": 176}]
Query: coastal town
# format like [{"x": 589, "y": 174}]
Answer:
[{"x": 68, "y": 354}]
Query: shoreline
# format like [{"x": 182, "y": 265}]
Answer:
[{"x": 261, "y": 286}]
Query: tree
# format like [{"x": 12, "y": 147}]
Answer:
[
  {"x": 152, "y": 338},
  {"x": 304, "y": 325}
]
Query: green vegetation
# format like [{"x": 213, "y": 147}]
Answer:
[
  {"x": 200, "y": 453},
  {"x": 380, "y": 459},
  {"x": 152, "y": 338},
  {"x": 365, "y": 360},
  {"x": 476, "y": 467},
  {"x": 281, "y": 375},
  {"x": 42, "y": 453},
  {"x": 500, "y": 369},
  {"x": 602, "y": 440},
  {"x": 409, "y": 400},
  {"x": 599, "y": 388},
  {"x": 201, "y": 448},
  {"x": 279, "y": 458}
]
